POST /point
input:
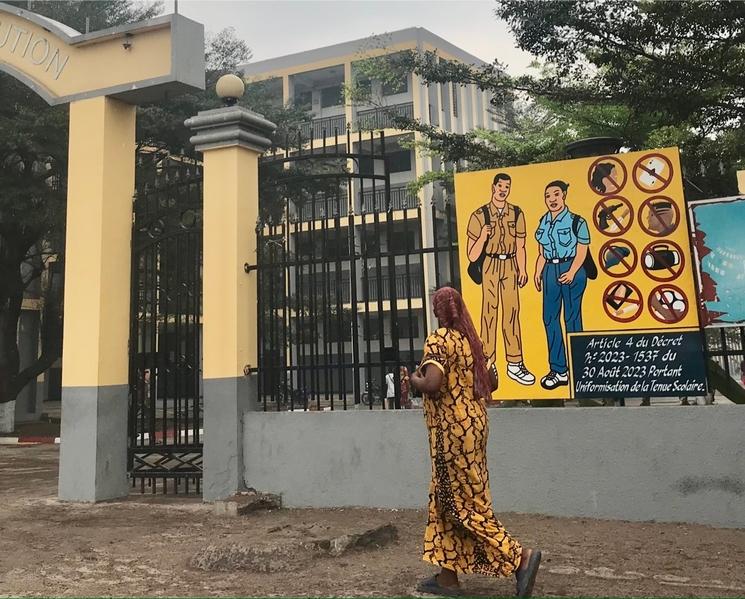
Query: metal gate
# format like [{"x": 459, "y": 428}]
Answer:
[
  {"x": 165, "y": 415},
  {"x": 346, "y": 262}
]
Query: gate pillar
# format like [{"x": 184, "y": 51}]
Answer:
[
  {"x": 95, "y": 375},
  {"x": 231, "y": 139}
]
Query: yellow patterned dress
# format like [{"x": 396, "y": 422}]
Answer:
[{"x": 462, "y": 533}]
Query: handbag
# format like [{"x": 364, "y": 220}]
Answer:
[{"x": 476, "y": 268}]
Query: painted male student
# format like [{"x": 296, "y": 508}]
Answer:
[{"x": 498, "y": 230}]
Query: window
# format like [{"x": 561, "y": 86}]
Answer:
[
  {"x": 397, "y": 86},
  {"x": 408, "y": 328},
  {"x": 371, "y": 245},
  {"x": 364, "y": 86},
  {"x": 333, "y": 328},
  {"x": 404, "y": 241},
  {"x": 400, "y": 161},
  {"x": 331, "y": 96},
  {"x": 303, "y": 100},
  {"x": 455, "y": 99},
  {"x": 367, "y": 165},
  {"x": 371, "y": 327}
]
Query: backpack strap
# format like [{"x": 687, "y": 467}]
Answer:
[
  {"x": 518, "y": 212},
  {"x": 576, "y": 221},
  {"x": 485, "y": 212}
]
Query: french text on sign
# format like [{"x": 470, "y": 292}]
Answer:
[{"x": 652, "y": 364}]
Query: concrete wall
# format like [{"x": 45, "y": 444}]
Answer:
[{"x": 671, "y": 464}]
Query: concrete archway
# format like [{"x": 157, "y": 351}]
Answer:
[{"x": 103, "y": 75}]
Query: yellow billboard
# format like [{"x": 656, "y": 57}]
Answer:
[{"x": 559, "y": 259}]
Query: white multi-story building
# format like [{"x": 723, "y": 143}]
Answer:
[{"x": 315, "y": 81}]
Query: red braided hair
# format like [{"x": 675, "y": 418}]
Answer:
[{"x": 452, "y": 313}]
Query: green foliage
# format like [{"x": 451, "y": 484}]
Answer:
[
  {"x": 375, "y": 73},
  {"x": 33, "y": 168},
  {"x": 651, "y": 72},
  {"x": 100, "y": 14}
]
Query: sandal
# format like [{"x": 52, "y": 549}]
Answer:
[
  {"x": 432, "y": 587},
  {"x": 526, "y": 577}
]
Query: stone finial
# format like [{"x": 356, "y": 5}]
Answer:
[
  {"x": 230, "y": 126},
  {"x": 229, "y": 88}
]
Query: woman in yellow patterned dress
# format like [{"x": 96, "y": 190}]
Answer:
[{"x": 463, "y": 535}]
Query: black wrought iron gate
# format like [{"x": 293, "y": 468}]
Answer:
[
  {"x": 165, "y": 416},
  {"x": 345, "y": 265}
]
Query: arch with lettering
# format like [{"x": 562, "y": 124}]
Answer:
[
  {"x": 134, "y": 63},
  {"x": 103, "y": 75}
]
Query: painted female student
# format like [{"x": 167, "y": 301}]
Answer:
[{"x": 563, "y": 239}]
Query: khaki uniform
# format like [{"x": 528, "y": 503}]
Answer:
[{"x": 499, "y": 284}]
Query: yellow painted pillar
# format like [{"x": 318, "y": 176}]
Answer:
[
  {"x": 93, "y": 455},
  {"x": 231, "y": 140}
]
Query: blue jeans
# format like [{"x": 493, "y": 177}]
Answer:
[{"x": 554, "y": 296}]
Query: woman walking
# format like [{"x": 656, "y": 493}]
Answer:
[{"x": 463, "y": 535}]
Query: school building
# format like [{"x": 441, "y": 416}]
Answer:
[{"x": 315, "y": 81}]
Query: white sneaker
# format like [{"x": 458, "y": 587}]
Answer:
[
  {"x": 555, "y": 379},
  {"x": 518, "y": 372}
]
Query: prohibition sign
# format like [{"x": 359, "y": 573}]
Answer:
[
  {"x": 611, "y": 177},
  {"x": 659, "y": 216},
  {"x": 617, "y": 258},
  {"x": 652, "y": 172},
  {"x": 613, "y": 216},
  {"x": 623, "y": 301},
  {"x": 663, "y": 261},
  {"x": 668, "y": 304}
]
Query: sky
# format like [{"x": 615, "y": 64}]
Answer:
[{"x": 278, "y": 27}]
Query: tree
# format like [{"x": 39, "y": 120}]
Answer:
[
  {"x": 679, "y": 66},
  {"x": 33, "y": 161},
  {"x": 653, "y": 73},
  {"x": 161, "y": 124}
]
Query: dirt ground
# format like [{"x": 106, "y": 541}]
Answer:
[{"x": 141, "y": 547}]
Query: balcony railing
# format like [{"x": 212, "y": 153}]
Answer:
[
  {"x": 320, "y": 210},
  {"x": 382, "y": 118},
  {"x": 407, "y": 285},
  {"x": 325, "y": 127},
  {"x": 401, "y": 199},
  {"x": 324, "y": 288}
]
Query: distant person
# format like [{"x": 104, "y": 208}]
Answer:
[
  {"x": 463, "y": 535},
  {"x": 405, "y": 383},
  {"x": 390, "y": 391}
]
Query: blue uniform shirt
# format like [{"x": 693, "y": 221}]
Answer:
[{"x": 557, "y": 236}]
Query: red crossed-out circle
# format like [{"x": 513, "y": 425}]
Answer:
[
  {"x": 673, "y": 271},
  {"x": 662, "y": 182},
  {"x": 607, "y": 204},
  {"x": 658, "y": 294},
  {"x": 613, "y": 291},
  {"x": 620, "y": 167},
  {"x": 629, "y": 261},
  {"x": 646, "y": 207}
]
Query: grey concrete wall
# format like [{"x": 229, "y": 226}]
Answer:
[
  {"x": 226, "y": 401},
  {"x": 93, "y": 449},
  {"x": 673, "y": 464}
]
